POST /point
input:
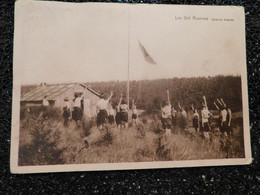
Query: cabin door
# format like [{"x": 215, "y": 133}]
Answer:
[{"x": 87, "y": 108}]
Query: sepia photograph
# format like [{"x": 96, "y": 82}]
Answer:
[{"x": 101, "y": 86}]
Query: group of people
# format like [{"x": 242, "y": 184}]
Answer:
[
  {"x": 119, "y": 115},
  {"x": 200, "y": 120},
  {"x": 72, "y": 109},
  {"x": 105, "y": 111}
]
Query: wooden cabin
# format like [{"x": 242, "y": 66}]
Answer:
[{"x": 56, "y": 93}]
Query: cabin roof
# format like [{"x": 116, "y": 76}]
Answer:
[{"x": 52, "y": 91}]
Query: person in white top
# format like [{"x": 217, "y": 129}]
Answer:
[
  {"x": 183, "y": 112},
  {"x": 111, "y": 114},
  {"x": 102, "y": 106},
  {"x": 77, "y": 111},
  {"x": 224, "y": 117},
  {"x": 134, "y": 115},
  {"x": 66, "y": 111},
  {"x": 45, "y": 102},
  {"x": 45, "y": 106},
  {"x": 229, "y": 118},
  {"x": 205, "y": 115},
  {"x": 124, "y": 114},
  {"x": 166, "y": 115}
]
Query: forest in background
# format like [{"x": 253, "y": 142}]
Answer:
[{"x": 150, "y": 93}]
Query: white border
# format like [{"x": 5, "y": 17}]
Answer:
[{"x": 124, "y": 166}]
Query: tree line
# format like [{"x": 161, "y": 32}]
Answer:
[{"x": 150, "y": 93}]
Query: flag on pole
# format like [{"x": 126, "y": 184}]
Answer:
[{"x": 147, "y": 57}]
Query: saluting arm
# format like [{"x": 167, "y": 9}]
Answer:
[
  {"x": 192, "y": 107},
  {"x": 210, "y": 114},
  {"x": 223, "y": 102},
  {"x": 120, "y": 100},
  {"x": 216, "y": 105},
  {"x": 230, "y": 117},
  {"x": 168, "y": 97},
  {"x": 179, "y": 105},
  {"x": 219, "y": 102},
  {"x": 205, "y": 101},
  {"x": 111, "y": 94}
]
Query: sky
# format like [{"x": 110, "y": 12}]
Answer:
[{"x": 65, "y": 42}]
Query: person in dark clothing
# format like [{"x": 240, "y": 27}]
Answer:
[
  {"x": 118, "y": 113},
  {"x": 124, "y": 113},
  {"x": 66, "y": 111}
]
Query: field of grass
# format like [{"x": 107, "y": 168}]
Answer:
[{"x": 44, "y": 141}]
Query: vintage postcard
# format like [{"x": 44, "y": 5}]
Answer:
[{"x": 106, "y": 86}]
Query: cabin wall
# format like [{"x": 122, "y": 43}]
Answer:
[
  {"x": 59, "y": 102},
  {"x": 90, "y": 100},
  {"x": 93, "y": 101}
]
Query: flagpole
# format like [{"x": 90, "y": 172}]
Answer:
[{"x": 127, "y": 92}]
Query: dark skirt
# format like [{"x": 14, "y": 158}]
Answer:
[
  {"x": 206, "y": 127},
  {"x": 76, "y": 114},
  {"x": 134, "y": 116},
  {"x": 111, "y": 119},
  {"x": 118, "y": 118},
  {"x": 66, "y": 113},
  {"x": 223, "y": 128},
  {"x": 102, "y": 117},
  {"x": 173, "y": 120},
  {"x": 166, "y": 123},
  {"x": 124, "y": 117},
  {"x": 195, "y": 122}
]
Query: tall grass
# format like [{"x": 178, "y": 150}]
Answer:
[
  {"x": 47, "y": 141},
  {"x": 48, "y": 112}
]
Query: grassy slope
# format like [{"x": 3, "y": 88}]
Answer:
[{"x": 135, "y": 144}]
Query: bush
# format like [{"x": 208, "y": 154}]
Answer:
[
  {"x": 156, "y": 125},
  {"x": 35, "y": 111},
  {"x": 181, "y": 121},
  {"x": 52, "y": 113},
  {"x": 42, "y": 150},
  {"x": 162, "y": 151},
  {"x": 105, "y": 140},
  {"x": 87, "y": 125}
]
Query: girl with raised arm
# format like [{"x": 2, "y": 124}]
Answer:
[
  {"x": 102, "y": 106},
  {"x": 229, "y": 118},
  {"x": 183, "y": 112},
  {"x": 223, "y": 118},
  {"x": 111, "y": 114},
  {"x": 205, "y": 115},
  {"x": 166, "y": 115},
  {"x": 124, "y": 113}
]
